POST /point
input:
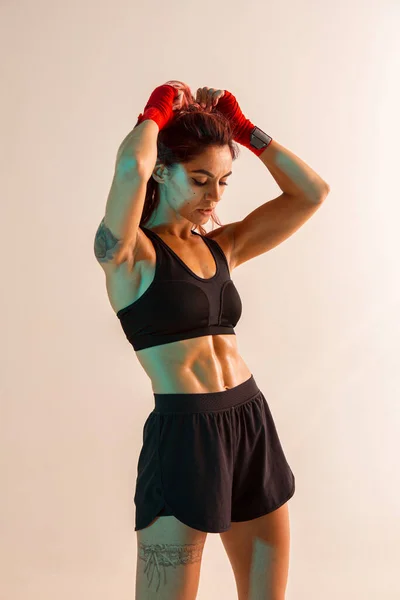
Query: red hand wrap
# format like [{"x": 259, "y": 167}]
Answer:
[
  {"x": 159, "y": 106},
  {"x": 242, "y": 127}
]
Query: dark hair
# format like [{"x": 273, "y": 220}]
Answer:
[{"x": 191, "y": 131}]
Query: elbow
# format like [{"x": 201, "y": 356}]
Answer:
[{"x": 323, "y": 192}]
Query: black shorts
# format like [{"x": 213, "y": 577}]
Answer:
[{"x": 211, "y": 459}]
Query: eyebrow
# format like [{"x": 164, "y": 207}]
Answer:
[{"x": 210, "y": 174}]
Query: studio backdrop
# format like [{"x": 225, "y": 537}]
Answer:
[{"x": 320, "y": 325}]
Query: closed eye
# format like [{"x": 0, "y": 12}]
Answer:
[{"x": 201, "y": 184}]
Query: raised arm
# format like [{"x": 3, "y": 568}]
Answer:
[{"x": 135, "y": 161}]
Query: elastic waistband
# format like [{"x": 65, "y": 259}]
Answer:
[{"x": 212, "y": 401}]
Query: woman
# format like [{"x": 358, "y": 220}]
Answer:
[{"x": 211, "y": 459}]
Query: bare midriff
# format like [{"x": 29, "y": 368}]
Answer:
[
  {"x": 205, "y": 364},
  {"x": 210, "y": 363}
]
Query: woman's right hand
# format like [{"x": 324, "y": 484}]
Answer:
[
  {"x": 183, "y": 97},
  {"x": 173, "y": 95},
  {"x": 159, "y": 106}
]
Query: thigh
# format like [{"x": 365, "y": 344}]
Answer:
[
  {"x": 258, "y": 551},
  {"x": 169, "y": 557}
]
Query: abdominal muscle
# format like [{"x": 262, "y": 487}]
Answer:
[{"x": 210, "y": 363}]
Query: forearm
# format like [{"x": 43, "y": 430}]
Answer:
[
  {"x": 292, "y": 174},
  {"x": 140, "y": 148}
]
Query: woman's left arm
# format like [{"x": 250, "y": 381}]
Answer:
[{"x": 292, "y": 174}]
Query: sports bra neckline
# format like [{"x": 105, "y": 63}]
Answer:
[{"x": 206, "y": 241}]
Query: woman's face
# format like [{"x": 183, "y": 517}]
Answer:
[{"x": 184, "y": 192}]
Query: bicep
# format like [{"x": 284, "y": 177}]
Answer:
[{"x": 270, "y": 224}]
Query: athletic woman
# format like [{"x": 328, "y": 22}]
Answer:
[{"x": 211, "y": 460}]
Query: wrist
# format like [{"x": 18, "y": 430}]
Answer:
[
  {"x": 253, "y": 138},
  {"x": 153, "y": 115},
  {"x": 159, "y": 106},
  {"x": 259, "y": 140}
]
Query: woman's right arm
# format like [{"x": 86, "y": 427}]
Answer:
[{"x": 135, "y": 162}]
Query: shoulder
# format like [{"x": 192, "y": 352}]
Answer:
[{"x": 224, "y": 237}]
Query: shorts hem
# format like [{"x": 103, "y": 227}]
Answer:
[
  {"x": 139, "y": 527},
  {"x": 184, "y": 521},
  {"x": 217, "y": 529},
  {"x": 192, "y": 525}
]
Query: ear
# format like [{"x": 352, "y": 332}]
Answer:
[{"x": 160, "y": 173}]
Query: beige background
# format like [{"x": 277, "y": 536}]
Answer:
[{"x": 320, "y": 328}]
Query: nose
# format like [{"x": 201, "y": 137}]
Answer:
[{"x": 216, "y": 194}]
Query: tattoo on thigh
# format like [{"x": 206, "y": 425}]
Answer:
[{"x": 168, "y": 555}]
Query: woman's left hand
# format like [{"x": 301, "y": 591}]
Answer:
[
  {"x": 208, "y": 98},
  {"x": 242, "y": 127},
  {"x": 229, "y": 107}
]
